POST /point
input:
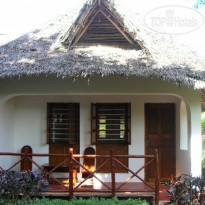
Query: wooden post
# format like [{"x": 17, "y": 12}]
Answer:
[
  {"x": 112, "y": 168},
  {"x": 26, "y": 164},
  {"x": 70, "y": 174},
  {"x": 156, "y": 177},
  {"x": 26, "y": 161},
  {"x": 99, "y": 3}
]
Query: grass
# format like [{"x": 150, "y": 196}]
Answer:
[{"x": 80, "y": 201}]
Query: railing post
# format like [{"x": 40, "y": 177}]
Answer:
[
  {"x": 70, "y": 174},
  {"x": 26, "y": 164},
  {"x": 156, "y": 177},
  {"x": 26, "y": 161},
  {"x": 112, "y": 167}
]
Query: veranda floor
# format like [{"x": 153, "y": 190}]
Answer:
[{"x": 127, "y": 191}]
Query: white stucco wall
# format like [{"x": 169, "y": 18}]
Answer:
[
  {"x": 6, "y": 130},
  {"x": 31, "y": 114},
  {"x": 183, "y": 126},
  {"x": 25, "y": 121}
]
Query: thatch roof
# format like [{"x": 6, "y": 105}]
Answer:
[
  {"x": 98, "y": 23},
  {"x": 44, "y": 51}
]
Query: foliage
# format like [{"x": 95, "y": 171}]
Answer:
[
  {"x": 90, "y": 201},
  {"x": 203, "y": 122},
  {"x": 26, "y": 184},
  {"x": 199, "y": 3},
  {"x": 203, "y": 142},
  {"x": 186, "y": 189},
  {"x": 203, "y": 156}
]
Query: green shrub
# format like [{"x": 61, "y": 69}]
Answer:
[
  {"x": 90, "y": 201},
  {"x": 80, "y": 201},
  {"x": 186, "y": 189},
  {"x": 203, "y": 142},
  {"x": 203, "y": 156},
  {"x": 203, "y": 122},
  {"x": 25, "y": 184}
]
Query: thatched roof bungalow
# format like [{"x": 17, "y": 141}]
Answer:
[{"x": 101, "y": 57}]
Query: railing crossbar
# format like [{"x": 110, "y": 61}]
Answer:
[
  {"x": 134, "y": 174},
  {"x": 90, "y": 156},
  {"x": 91, "y": 174},
  {"x": 16, "y": 163},
  {"x": 134, "y": 156},
  {"x": 71, "y": 159},
  {"x": 56, "y": 167},
  {"x": 56, "y": 180},
  {"x": 49, "y": 174},
  {"x": 37, "y": 165}
]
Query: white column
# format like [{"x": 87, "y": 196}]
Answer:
[{"x": 196, "y": 140}]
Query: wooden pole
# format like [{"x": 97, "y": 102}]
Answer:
[
  {"x": 26, "y": 161},
  {"x": 156, "y": 177},
  {"x": 112, "y": 167},
  {"x": 85, "y": 28},
  {"x": 99, "y": 3},
  {"x": 117, "y": 27},
  {"x": 70, "y": 174}
]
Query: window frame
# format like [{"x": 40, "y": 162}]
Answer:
[
  {"x": 76, "y": 117},
  {"x": 95, "y": 124}
]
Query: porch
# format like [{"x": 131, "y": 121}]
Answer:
[
  {"x": 92, "y": 185},
  {"x": 131, "y": 190}
]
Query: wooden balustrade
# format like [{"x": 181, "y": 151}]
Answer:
[{"x": 75, "y": 164}]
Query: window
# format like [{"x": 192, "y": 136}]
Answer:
[
  {"x": 110, "y": 123},
  {"x": 63, "y": 123}
]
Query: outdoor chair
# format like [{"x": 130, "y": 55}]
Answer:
[{"x": 88, "y": 163}]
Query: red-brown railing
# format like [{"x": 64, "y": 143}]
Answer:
[{"x": 73, "y": 161}]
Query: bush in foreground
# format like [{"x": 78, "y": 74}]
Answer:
[
  {"x": 81, "y": 201},
  {"x": 186, "y": 190},
  {"x": 25, "y": 184}
]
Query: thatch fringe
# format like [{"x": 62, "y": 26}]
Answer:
[{"x": 41, "y": 53}]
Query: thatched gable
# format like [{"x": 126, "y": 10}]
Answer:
[
  {"x": 41, "y": 52},
  {"x": 99, "y": 24}
]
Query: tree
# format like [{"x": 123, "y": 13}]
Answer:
[
  {"x": 203, "y": 142},
  {"x": 199, "y": 3}
]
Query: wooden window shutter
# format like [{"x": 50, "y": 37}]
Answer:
[
  {"x": 93, "y": 124},
  {"x": 63, "y": 123},
  {"x": 110, "y": 123}
]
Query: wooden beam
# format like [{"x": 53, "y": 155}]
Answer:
[
  {"x": 117, "y": 27},
  {"x": 70, "y": 174},
  {"x": 99, "y": 3},
  {"x": 112, "y": 170},
  {"x": 85, "y": 28},
  {"x": 157, "y": 177},
  {"x": 80, "y": 25}
]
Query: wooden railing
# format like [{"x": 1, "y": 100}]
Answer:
[{"x": 73, "y": 161}]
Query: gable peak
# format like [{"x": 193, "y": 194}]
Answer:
[{"x": 100, "y": 24}]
